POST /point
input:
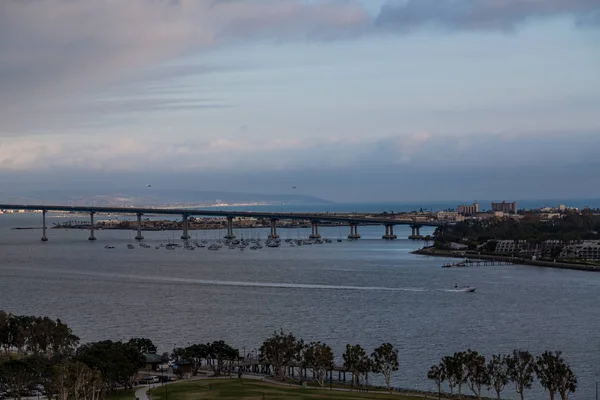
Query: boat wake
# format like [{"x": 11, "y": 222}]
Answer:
[
  {"x": 210, "y": 282},
  {"x": 461, "y": 290}
]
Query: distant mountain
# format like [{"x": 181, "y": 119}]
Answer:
[{"x": 154, "y": 197}]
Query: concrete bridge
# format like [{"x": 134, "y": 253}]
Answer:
[{"x": 352, "y": 220}]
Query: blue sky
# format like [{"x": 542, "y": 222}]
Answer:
[{"x": 347, "y": 100}]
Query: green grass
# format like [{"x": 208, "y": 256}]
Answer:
[
  {"x": 255, "y": 389},
  {"x": 128, "y": 394}
]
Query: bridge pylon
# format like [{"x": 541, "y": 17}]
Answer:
[
  {"x": 416, "y": 232},
  {"x": 92, "y": 226},
  {"x": 230, "y": 235},
  {"x": 185, "y": 235},
  {"x": 389, "y": 232},
  {"x": 44, "y": 237},
  {"x": 314, "y": 230},
  {"x": 274, "y": 234},
  {"x": 139, "y": 227},
  {"x": 354, "y": 231}
]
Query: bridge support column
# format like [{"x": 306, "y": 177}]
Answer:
[
  {"x": 92, "y": 226},
  {"x": 185, "y": 235},
  {"x": 416, "y": 232},
  {"x": 273, "y": 234},
  {"x": 44, "y": 238},
  {"x": 315, "y": 230},
  {"x": 139, "y": 227},
  {"x": 230, "y": 234},
  {"x": 354, "y": 231},
  {"x": 389, "y": 232}
]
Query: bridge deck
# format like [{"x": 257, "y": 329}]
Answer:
[{"x": 329, "y": 217}]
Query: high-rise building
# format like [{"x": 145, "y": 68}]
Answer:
[
  {"x": 508, "y": 208},
  {"x": 464, "y": 209}
]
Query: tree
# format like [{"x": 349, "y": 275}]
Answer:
[
  {"x": 437, "y": 373},
  {"x": 35, "y": 334},
  {"x": 221, "y": 356},
  {"x": 448, "y": 365},
  {"x": 490, "y": 246},
  {"x": 319, "y": 357},
  {"x": 477, "y": 373},
  {"x": 144, "y": 346},
  {"x": 357, "y": 362},
  {"x": 385, "y": 361},
  {"x": 195, "y": 354},
  {"x": 43, "y": 368},
  {"x": 457, "y": 369},
  {"x": 4, "y": 331},
  {"x": 520, "y": 370},
  {"x": 497, "y": 370},
  {"x": 281, "y": 350},
  {"x": 18, "y": 375},
  {"x": 63, "y": 339},
  {"x": 75, "y": 380},
  {"x": 555, "y": 375},
  {"x": 117, "y": 362},
  {"x": 18, "y": 331}
]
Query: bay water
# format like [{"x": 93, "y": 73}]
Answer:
[{"x": 367, "y": 291}]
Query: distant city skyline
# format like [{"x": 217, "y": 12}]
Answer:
[{"x": 350, "y": 101}]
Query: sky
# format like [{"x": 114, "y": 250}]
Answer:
[{"x": 347, "y": 100}]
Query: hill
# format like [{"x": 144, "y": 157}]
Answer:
[{"x": 155, "y": 197}]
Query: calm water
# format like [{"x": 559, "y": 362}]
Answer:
[{"x": 366, "y": 292}]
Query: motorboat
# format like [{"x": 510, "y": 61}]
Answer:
[{"x": 468, "y": 289}]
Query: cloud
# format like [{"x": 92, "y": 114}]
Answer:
[
  {"x": 227, "y": 155},
  {"x": 54, "y": 49},
  {"x": 480, "y": 14}
]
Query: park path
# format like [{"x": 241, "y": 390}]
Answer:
[{"x": 140, "y": 394}]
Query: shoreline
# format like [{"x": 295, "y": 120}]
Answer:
[{"x": 514, "y": 260}]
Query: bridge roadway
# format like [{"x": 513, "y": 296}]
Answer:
[{"x": 315, "y": 218}]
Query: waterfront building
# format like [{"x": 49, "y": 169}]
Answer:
[
  {"x": 510, "y": 246},
  {"x": 464, "y": 209},
  {"x": 508, "y": 208},
  {"x": 545, "y": 216},
  {"x": 449, "y": 216},
  {"x": 587, "y": 250}
]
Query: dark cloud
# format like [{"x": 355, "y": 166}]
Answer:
[{"x": 481, "y": 14}]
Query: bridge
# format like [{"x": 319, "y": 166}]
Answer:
[{"x": 352, "y": 220}]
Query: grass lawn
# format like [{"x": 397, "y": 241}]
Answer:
[
  {"x": 255, "y": 389},
  {"x": 122, "y": 395}
]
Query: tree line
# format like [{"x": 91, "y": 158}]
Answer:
[
  {"x": 283, "y": 350},
  {"x": 520, "y": 368},
  {"x": 218, "y": 356},
  {"x": 572, "y": 226},
  {"x": 43, "y": 354}
]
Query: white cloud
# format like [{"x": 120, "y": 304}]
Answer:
[{"x": 54, "y": 49}]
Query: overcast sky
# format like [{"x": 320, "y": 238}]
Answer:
[{"x": 348, "y": 100}]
